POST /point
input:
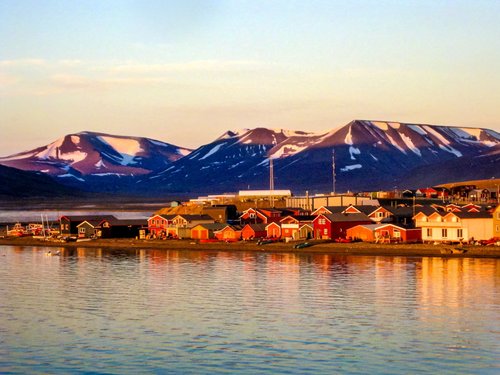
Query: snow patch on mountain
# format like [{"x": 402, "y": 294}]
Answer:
[
  {"x": 451, "y": 150},
  {"x": 348, "y": 168},
  {"x": 127, "y": 147},
  {"x": 100, "y": 164},
  {"x": 348, "y": 138},
  {"x": 409, "y": 143},
  {"x": 381, "y": 125},
  {"x": 418, "y": 129},
  {"x": 70, "y": 175},
  {"x": 354, "y": 151},
  {"x": 213, "y": 150},
  {"x": 287, "y": 150},
  {"x": 436, "y": 134},
  {"x": 395, "y": 144},
  {"x": 75, "y": 139},
  {"x": 75, "y": 156}
]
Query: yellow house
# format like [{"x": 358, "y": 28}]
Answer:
[
  {"x": 455, "y": 226},
  {"x": 496, "y": 222}
]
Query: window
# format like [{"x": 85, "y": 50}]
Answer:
[
  {"x": 397, "y": 233},
  {"x": 460, "y": 233},
  {"x": 321, "y": 221},
  {"x": 429, "y": 232},
  {"x": 325, "y": 231},
  {"x": 81, "y": 230},
  {"x": 444, "y": 233}
]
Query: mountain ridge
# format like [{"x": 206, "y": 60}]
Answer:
[{"x": 369, "y": 155}]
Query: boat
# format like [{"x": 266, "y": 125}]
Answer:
[
  {"x": 302, "y": 245},
  {"x": 18, "y": 230},
  {"x": 453, "y": 250}
]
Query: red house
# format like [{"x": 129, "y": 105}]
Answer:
[
  {"x": 332, "y": 226},
  {"x": 253, "y": 216},
  {"x": 158, "y": 224}
]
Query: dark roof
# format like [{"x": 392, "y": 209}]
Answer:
[
  {"x": 127, "y": 222},
  {"x": 212, "y": 226},
  {"x": 88, "y": 217},
  {"x": 473, "y": 215},
  {"x": 93, "y": 223},
  {"x": 400, "y": 210},
  {"x": 427, "y": 210},
  {"x": 195, "y": 217},
  {"x": 166, "y": 217},
  {"x": 258, "y": 227},
  {"x": 339, "y": 217},
  {"x": 366, "y": 209},
  {"x": 334, "y": 209}
]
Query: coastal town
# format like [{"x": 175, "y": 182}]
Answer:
[{"x": 422, "y": 216}]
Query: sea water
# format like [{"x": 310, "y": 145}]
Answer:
[{"x": 157, "y": 311}]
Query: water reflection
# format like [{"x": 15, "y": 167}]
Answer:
[{"x": 129, "y": 311}]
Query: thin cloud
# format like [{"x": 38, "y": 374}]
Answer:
[
  {"x": 22, "y": 62},
  {"x": 191, "y": 66}
]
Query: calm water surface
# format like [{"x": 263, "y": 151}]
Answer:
[{"x": 129, "y": 312}]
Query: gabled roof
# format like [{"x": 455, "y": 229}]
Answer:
[
  {"x": 212, "y": 226},
  {"x": 257, "y": 227},
  {"x": 380, "y": 226},
  {"x": 126, "y": 222},
  {"x": 366, "y": 209},
  {"x": 339, "y": 217},
  {"x": 80, "y": 218},
  {"x": 166, "y": 217},
  {"x": 426, "y": 210},
  {"x": 332, "y": 209},
  {"x": 369, "y": 226},
  {"x": 233, "y": 227},
  {"x": 195, "y": 217},
  {"x": 92, "y": 223}
]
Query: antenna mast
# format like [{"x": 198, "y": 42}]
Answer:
[
  {"x": 333, "y": 171},
  {"x": 271, "y": 182}
]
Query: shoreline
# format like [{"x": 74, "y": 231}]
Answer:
[{"x": 318, "y": 247}]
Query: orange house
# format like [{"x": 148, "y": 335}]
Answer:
[
  {"x": 205, "y": 231},
  {"x": 384, "y": 233},
  {"x": 229, "y": 233},
  {"x": 273, "y": 230},
  {"x": 252, "y": 231}
]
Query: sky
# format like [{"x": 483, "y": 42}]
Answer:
[{"x": 186, "y": 71}]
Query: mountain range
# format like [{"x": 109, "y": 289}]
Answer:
[{"x": 366, "y": 155}]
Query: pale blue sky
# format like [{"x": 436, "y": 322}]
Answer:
[{"x": 186, "y": 71}]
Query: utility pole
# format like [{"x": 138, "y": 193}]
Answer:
[{"x": 333, "y": 171}]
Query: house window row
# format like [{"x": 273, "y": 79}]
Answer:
[{"x": 444, "y": 233}]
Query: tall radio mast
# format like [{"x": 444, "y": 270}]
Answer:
[{"x": 333, "y": 171}]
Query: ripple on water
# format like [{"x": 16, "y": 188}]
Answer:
[{"x": 196, "y": 312}]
